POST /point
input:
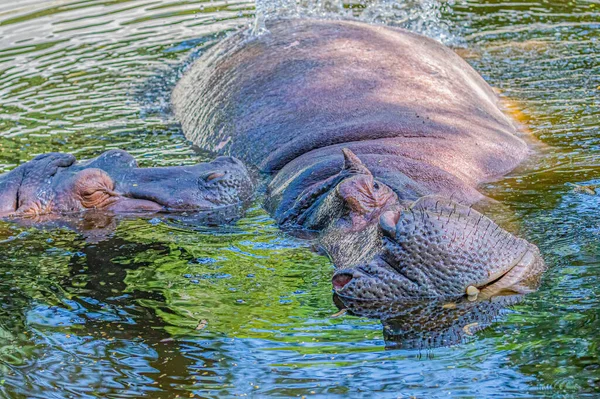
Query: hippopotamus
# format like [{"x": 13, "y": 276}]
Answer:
[
  {"x": 373, "y": 140},
  {"x": 55, "y": 184}
]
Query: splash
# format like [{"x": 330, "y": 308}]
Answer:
[
  {"x": 427, "y": 17},
  {"x": 272, "y": 9}
]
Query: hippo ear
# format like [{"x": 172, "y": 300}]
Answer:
[{"x": 353, "y": 164}]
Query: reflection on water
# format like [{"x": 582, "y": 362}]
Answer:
[
  {"x": 431, "y": 324},
  {"x": 164, "y": 309}
]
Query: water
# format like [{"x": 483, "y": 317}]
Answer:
[{"x": 164, "y": 310}]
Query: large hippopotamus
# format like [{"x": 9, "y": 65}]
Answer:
[
  {"x": 375, "y": 139},
  {"x": 55, "y": 185}
]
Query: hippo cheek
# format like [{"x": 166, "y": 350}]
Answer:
[{"x": 520, "y": 278}]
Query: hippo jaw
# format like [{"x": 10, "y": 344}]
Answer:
[
  {"x": 438, "y": 249},
  {"x": 55, "y": 184}
]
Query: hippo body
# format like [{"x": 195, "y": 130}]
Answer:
[
  {"x": 376, "y": 138},
  {"x": 287, "y": 102}
]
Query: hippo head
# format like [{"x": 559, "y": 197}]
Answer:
[
  {"x": 387, "y": 249},
  {"x": 438, "y": 248},
  {"x": 56, "y": 184}
]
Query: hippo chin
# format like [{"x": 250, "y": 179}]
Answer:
[
  {"x": 55, "y": 184},
  {"x": 374, "y": 138},
  {"x": 438, "y": 248}
]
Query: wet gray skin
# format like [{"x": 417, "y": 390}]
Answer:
[
  {"x": 429, "y": 248},
  {"x": 55, "y": 184},
  {"x": 387, "y": 249}
]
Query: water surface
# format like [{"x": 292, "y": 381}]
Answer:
[{"x": 163, "y": 310}]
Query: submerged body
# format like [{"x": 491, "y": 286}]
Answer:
[{"x": 377, "y": 139}]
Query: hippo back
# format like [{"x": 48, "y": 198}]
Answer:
[{"x": 308, "y": 85}]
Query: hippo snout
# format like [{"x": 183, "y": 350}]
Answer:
[
  {"x": 375, "y": 282},
  {"x": 438, "y": 248}
]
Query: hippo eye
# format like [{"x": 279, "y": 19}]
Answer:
[
  {"x": 213, "y": 176},
  {"x": 94, "y": 187},
  {"x": 376, "y": 185}
]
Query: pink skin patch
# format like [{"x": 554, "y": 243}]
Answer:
[
  {"x": 341, "y": 280},
  {"x": 365, "y": 199}
]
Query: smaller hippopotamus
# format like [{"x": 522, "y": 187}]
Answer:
[{"x": 56, "y": 184}]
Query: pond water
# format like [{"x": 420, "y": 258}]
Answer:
[{"x": 162, "y": 309}]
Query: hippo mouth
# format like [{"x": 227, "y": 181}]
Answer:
[
  {"x": 436, "y": 251},
  {"x": 380, "y": 281}
]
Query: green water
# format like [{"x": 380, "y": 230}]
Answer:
[{"x": 162, "y": 309}]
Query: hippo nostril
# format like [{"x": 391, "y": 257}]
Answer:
[
  {"x": 340, "y": 280},
  {"x": 214, "y": 176}
]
